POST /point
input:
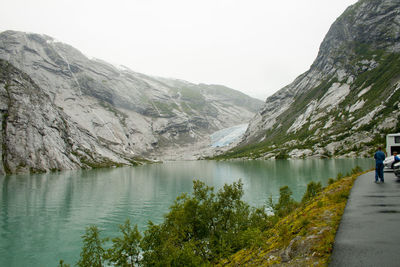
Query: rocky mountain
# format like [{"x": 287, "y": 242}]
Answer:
[
  {"x": 37, "y": 136},
  {"x": 62, "y": 110},
  {"x": 346, "y": 102}
]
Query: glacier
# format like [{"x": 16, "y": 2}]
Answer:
[{"x": 227, "y": 136}]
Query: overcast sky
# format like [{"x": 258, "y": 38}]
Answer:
[{"x": 255, "y": 46}]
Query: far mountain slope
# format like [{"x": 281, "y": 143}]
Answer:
[
  {"x": 128, "y": 113},
  {"x": 346, "y": 102}
]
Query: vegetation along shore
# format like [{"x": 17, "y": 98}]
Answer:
[{"x": 219, "y": 228}]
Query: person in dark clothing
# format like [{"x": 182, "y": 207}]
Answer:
[
  {"x": 379, "y": 158},
  {"x": 396, "y": 158}
]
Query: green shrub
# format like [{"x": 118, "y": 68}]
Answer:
[
  {"x": 125, "y": 249},
  {"x": 282, "y": 155},
  {"x": 92, "y": 251},
  {"x": 313, "y": 189},
  {"x": 200, "y": 229},
  {"x": 285, "y": 203},
  {"x": 356, "y": 169},
  {"x": 203, "y": 227},
  {"x": 62, "y": 264}
]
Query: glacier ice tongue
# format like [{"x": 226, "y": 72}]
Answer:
[{"x": 227, "y": 136}]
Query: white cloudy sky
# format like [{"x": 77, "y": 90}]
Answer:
[{"x": 255, "y": 46}]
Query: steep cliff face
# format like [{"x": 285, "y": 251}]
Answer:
[
  {"x": 348, "y": 99},
  {"x": 128, "y": 113},
  {"x": 37, "y": 136}
]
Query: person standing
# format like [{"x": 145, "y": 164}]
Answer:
[{"x": 379, "y": 158}]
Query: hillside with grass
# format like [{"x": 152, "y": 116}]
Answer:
[{"x": 348, "y": 100}]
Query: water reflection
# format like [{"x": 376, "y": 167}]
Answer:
[{"x": 43, "y": 216}]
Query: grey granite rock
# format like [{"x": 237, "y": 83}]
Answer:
[
  {"x": 351, "y": 89},
  {"x": 37, "y": 136},
  {"x": 121, "y": 113}
]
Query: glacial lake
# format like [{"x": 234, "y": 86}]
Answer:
[{"x": 42, "y": 217}]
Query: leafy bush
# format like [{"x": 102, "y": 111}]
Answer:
[
  {"x": 339, "y": 176},
  {"x": 331, "y": 181},
  {"x": 282, "y": 155},
  {"x": 313, "y": 189},
  {"x": 356, "y": 169},
  {"x": 62, "y": 264},
  {"x": 200, "y": 229},
  {"x": 285, "y": 203},
  {"x": 126, "y": 248},
  {"x": 92, "y": 251}
]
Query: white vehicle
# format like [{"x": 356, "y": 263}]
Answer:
[
  {"x": 396, "y": 169},
  {"x": 388, "y": 163},
  {"x": 392, "y": 145}
]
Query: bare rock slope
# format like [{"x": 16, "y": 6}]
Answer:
[
  {"x": 38, "y": 136},
  {"x": 118, "y": 114},
  {"x": 346, "y": 102}
]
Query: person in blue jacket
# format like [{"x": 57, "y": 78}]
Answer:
[{"x": 379, "y": 158}]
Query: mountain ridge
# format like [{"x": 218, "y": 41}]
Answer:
[{"x": 346, "y": 102}]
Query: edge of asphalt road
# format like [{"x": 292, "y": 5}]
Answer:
[{"x": 369, "y": 231}]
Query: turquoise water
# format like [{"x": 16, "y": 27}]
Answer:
[{"x": 43, "y": 216}]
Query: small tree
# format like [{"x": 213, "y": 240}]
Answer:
[
  {"x": 285, "y": 203},
  {"x": 92, "y": 251},
  {"x": 125, "y": 250},
  {"x": 62, "y": 264},
  {"x": 200, "y": 228},
  {"x": 356, "y": 169},
  {"x": 331, "y": 181},
  {"x": 313, "y": 189}
]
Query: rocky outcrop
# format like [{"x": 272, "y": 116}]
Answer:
[
  {"x": 122, "y": 111},
  {"x": 348, "y": 99},
  {"x": 37, "y": 136}
]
